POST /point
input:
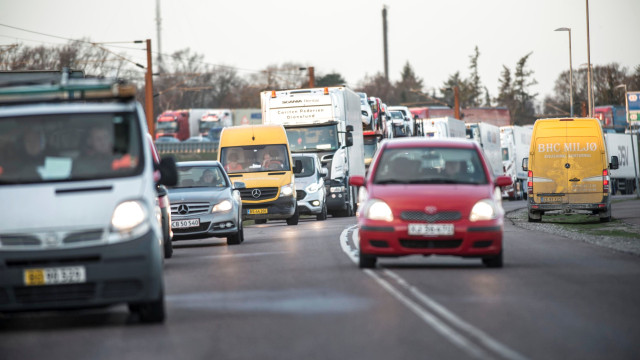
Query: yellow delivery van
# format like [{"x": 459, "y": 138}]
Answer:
[
  {"x": 259, "y": 156},
  {"x": 568, "y": 168}
]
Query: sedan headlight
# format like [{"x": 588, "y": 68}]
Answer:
[
  {"x": 378, "y": 210},
  {"x": 286, "y": 190},
  {"x": 312, "y": 188},
  {"x": 128, "y": 215},
  {"x": 224, "y": 205},
  {"x": 483, "y": 210}
]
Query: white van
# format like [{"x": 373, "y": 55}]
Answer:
[{"x": 78, "y": 221}]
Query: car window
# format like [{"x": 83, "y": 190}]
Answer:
[
  {"x": 69, "y": 147},
  {"x": 430, "y": 165}
]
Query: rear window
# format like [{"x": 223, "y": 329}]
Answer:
[
  {"x": 430, "y": 166},
  {"x": 69, "y": 147}
]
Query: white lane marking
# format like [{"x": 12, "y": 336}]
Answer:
[
  {"x": 445, "y": 330},
  {"x": 455, "y": 320},
  {"x": 427, "y": 316},
  {"x": 232, "y": 255}
]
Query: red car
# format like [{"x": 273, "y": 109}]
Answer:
[{"x": 430, "y": 197}]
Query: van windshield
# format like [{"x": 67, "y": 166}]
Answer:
[
  {"x": 307, "y": 166},
  {"x": 69, "y": 147},
  {"x": 254, "y": 158}
]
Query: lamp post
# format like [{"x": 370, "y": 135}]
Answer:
[
  {"x": 570, "y": 69},
  {"x": 589, "y": 75},
  {"x": 633, "y": 144}
]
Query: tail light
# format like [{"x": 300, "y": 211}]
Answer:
[
  {"x": 530, "y": 183},
  {"x": 273, "y": 93},
  {"x": 605, "y": 181},
  {"x": 326, "y": 91}
]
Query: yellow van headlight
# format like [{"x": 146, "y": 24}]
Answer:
[{"x": 286, "y": 190}]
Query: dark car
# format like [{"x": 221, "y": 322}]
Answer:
[
  {"x": 205, "y": 203},
  {"x": 430, "y": 197}
]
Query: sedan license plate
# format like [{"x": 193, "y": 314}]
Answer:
[
  {"x": 257, "y": 211},
  {"x": 52, "y": 276},
  {"x": 430, "y": 229},
  {"x": 180, "y": 224}
]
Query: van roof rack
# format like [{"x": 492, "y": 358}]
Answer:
[{"x": 68, "y": 90}]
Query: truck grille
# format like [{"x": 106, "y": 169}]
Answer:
[
  {"x": 263, "y": 194},
  {"x": 421, "y": 216}
]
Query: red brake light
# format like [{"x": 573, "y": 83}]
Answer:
[
  {"x": 605, "y": 172},
  {"x": 530, "y": 173}
]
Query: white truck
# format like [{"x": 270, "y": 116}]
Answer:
[
  {"x": 488, "y": 136},
  {"x": 328, "y": 122},
  {"x": 625, "y": 147},
  {"x": 444, "y": 127},
  {"x": 515, "y": 141}
]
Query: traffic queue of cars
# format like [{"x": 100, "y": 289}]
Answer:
[{"x": 419, "y": 196}]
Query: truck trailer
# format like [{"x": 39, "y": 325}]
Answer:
[
  {"x": 625, "y": 147},
  {"x": 515, "y": 142}
]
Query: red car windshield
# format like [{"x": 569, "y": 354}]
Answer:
[{"x": 424, "y": 165}]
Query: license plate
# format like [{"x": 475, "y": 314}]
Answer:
[
  {"x": 51, "y": 276},
  {"x": 550, "y": 199},
  {"x": 179, "y": 224},
  {"x": 430, "y": 229},
  {"x": 257, "y": 211}
]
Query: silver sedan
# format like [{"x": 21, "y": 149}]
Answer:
[{"x": 205, "y": 203}]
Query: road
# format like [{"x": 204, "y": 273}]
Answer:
[{"x": 294, "y": 292}]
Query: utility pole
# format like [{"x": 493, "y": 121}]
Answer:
[
  {"x": 148, "y": 95},
  {"x": 456, "y": 102},
  {"x": 312, "y": 78},
  {"x": 384, "y": 40}
]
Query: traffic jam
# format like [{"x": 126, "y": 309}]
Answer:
[{"x": 390, "y": 188}]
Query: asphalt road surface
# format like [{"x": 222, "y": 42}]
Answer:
[{"x": 295, "y": 292}]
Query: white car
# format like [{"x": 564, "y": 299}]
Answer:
[
  {"x": 411, "y": 122},
  {"x": 310, "y": 191}
]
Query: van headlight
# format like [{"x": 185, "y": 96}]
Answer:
[
  {"x": 378, "y": 210},
  {"x": 483, "y": 210},
  {"x": 286, "y": 190},
  {"x": 128, "y": 215},
  {"x": 312, "y": 188},
  {"x": 224, "y": 205}
]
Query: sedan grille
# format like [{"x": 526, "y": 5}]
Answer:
[
  {"x": 189, "y": 209},
  {"x": 258, "y": 193},
  {"x": 421, "y": 216},
  {"x": 430, "y": 244}
]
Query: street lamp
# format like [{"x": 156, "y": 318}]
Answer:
[
  {"x": 570, "y": 69},
  {"x": 633, "y": 144},
  {"x": 589, "y": 75}
]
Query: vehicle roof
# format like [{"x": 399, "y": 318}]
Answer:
[{"x": 404, "y": 142}]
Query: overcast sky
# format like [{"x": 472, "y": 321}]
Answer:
[{"x": 345, "y": 36}]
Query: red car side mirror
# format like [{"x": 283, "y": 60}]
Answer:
[
  {"x": 504, "y": 181},
  {"x": 356, "y": 180}
]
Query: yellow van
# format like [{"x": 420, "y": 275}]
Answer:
[
  {"x": 259, "y": 156},
  {"x": 568, "y": 168}
]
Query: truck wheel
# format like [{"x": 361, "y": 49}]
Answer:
[
  {"x": 534, "y": 217},
  {"x": 294, "y": 219},
  {"x": 323, "y": 213}
]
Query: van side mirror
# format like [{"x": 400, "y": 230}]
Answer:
[
  {"x": 323, "y": 172},
  {"x": 614, "y": 163},
  {"x": 349, "y": 128},
  {"x": 297, "y": 166},
  {"x": 525, "y": 164},
  {"x": 239, "y": 185},
  {"x": 349, "y": 138},
  {"x": 168, "y": 171}
]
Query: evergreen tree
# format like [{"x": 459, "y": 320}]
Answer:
[
  {"x": 409, "y": 88},
  {"x": 475, "y": 86},
  {"x": 523, "y": 111},
  {"x": 333, "y": 79}
]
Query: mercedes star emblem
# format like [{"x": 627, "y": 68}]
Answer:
[
  {"x": 256, "y": 193},
  {"x": 183, "y": 209}
]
